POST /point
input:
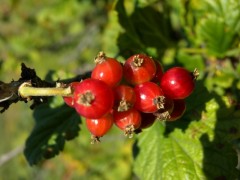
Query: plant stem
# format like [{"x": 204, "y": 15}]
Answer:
[{"x": 26, "y": 90}]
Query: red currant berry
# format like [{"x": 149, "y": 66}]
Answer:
[
  {"x": 147, "y": 120},
  {"x": 69, "y": 99},
  {"x": 159, "y": 72},
  {"x": 99, "y": 127},
  {"x": 178, "y": 110},
  {"x": 177, "y": 83},
  {"x": 149, "y": 97},
  {"x": 93, "y": 98},
  {"x": 127, "y": 121},
  {"x": 124, "y": 97},
  {"x": 164, "y": 114},
  {"x": 107, "y": 69},
  {"x": 139, "y": 68}
]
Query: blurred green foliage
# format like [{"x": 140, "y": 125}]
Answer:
[{"x": 61, "y": 38}]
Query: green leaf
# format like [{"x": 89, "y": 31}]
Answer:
[
  {"x": 219, "y": 26},
  {"x": 167, "y": 158},
  {"x": 55, "y": 124},
  {"x": 143, "y": 28},
  {"x": 111, "y": 33},
  {"x": 216, "y": 34},
  {"x": 198, "y": 146},
  {"x": 227, "y": 10},
  {"x": 190, "y": 61},
  {"x": 222, "y": 78},
  {"x": 212, "y": 25}
]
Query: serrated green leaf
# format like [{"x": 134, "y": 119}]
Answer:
[
  {"x": 212, "y": 25},
  {"x": 228, "y": 10},
  {"x": 54, "y": 126},
  {"x": 175, "y": 157},
  {"x": 218, "y": 27},
  {"x": 217, "y": 36},
  {"x": 202, "y": 150}
]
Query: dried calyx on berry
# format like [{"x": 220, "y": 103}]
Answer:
[
  {"x": 107, "y": 69},
  {"x": 138, "y": 69},
  {"x": 148, "y": 95},
  {"x": 89, "y": 97},
  {"x": 127, "y": 121},
  {"x": 124, "y": 97},
  {"x": 99, "y": 127},
  {"x": 164, "y": 113}
]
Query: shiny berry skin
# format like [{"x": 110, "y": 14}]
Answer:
[
  {"x": 124, "y": 97},
  {"x": 149, "y": 97},
  {"x": 139, "y": 68},
  {"x": 99, "y": 127},
  {"x": 93, "y": 98},
  {"x": 159, "y": 72},
  {"x": 69, "y": 99},
  {"x": 164, "y": 114},
  {"x": 177, "y": 83},
  {"x": 148, "y": 120},
  {"x": 127, "y": 121},
  {"x": 108, "y": 70},
  {"x": 178, "y": 110}
]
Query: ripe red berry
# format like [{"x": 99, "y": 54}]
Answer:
[
  {"x": 93, "y": 98},
  {"x": 69, "y": 99},
  {"x": 127, "y": 121},
  {"x": 177, "y": 83},
  {"x": 124, "y": 98},
  {"x": 99, "y": 127},
  {"x": 149, "y": 97},
  {"x": 178, "y": 110},
  {"x": 164, "y": 114},
  {"x": 159, "y": 72},
  {"x": 107, "y": 69},
  {"x": 139, "y": 68},
  {"x": 147, "y": 120}
]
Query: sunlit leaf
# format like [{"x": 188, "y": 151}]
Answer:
[
  {"x": 202, "y": 151},
  {"x": 219, "y": 26},
  {"x": 217, "y": 36}
]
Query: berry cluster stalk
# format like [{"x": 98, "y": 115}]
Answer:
[{"x": 26, "y": 90}]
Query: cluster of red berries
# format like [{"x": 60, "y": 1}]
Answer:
[{"x": 131, "y": 96}]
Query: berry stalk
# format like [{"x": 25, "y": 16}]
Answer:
[{"x": 26, "y": 90}]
